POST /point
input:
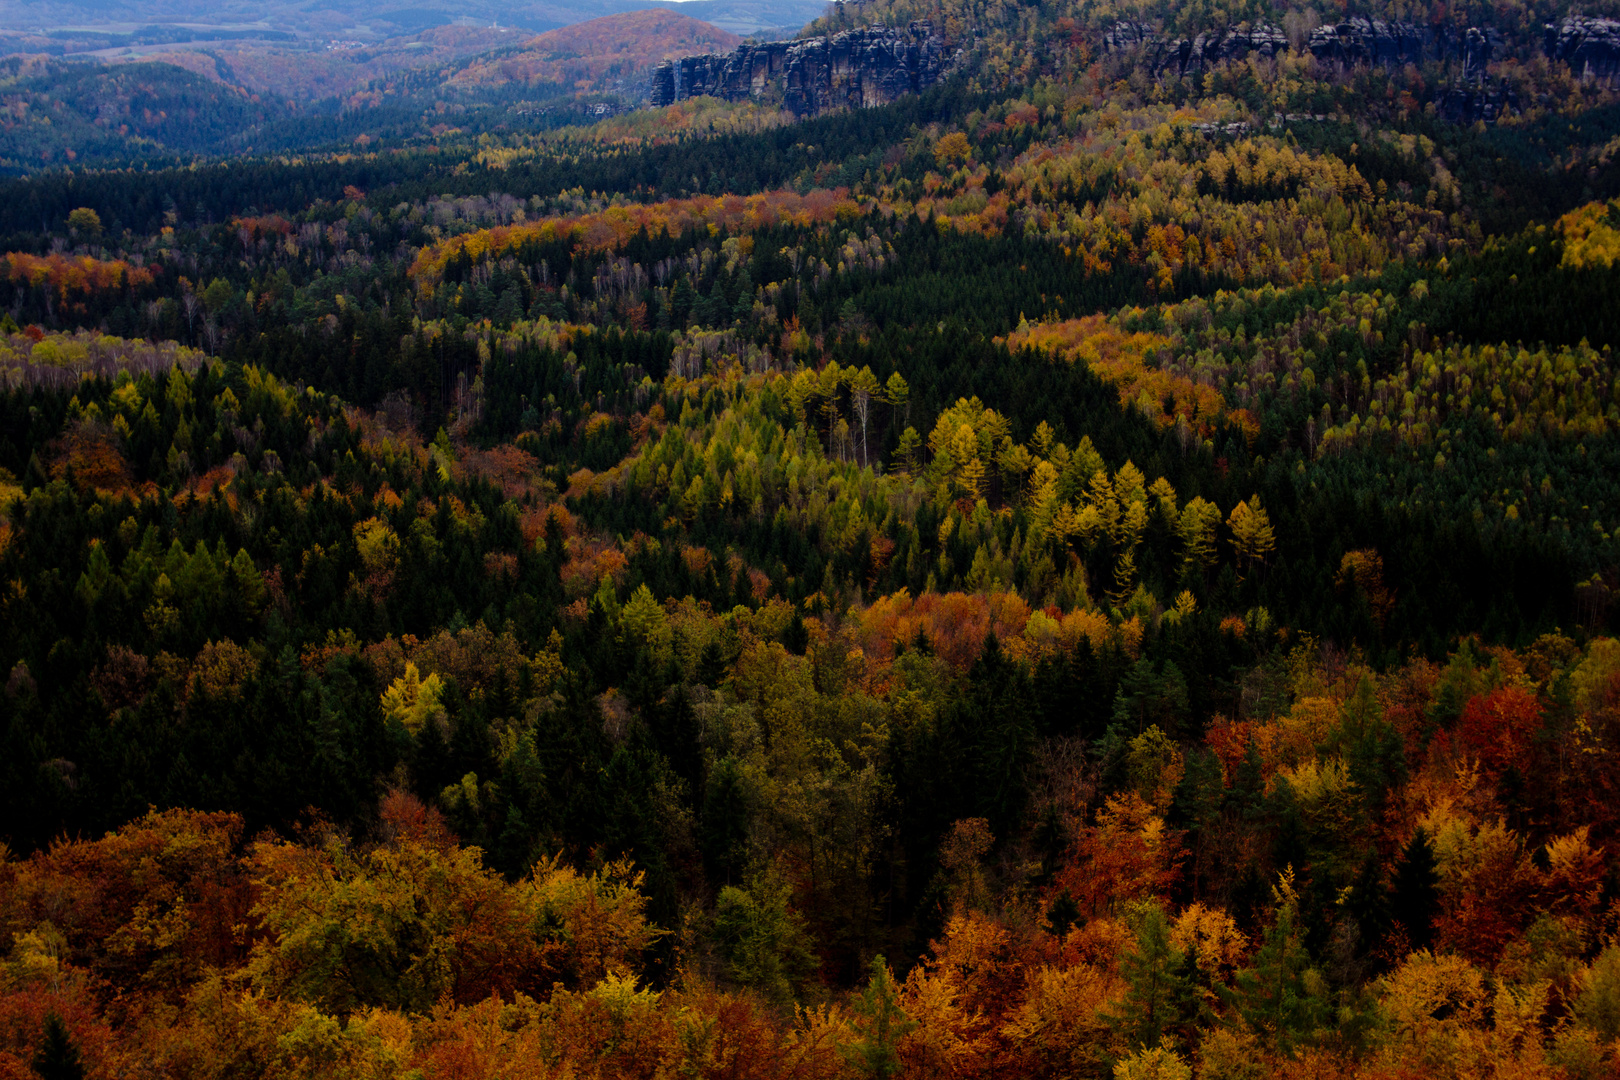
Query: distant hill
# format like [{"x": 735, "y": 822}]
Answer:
[
  {"x": 182, "y": 100},
  {"x": 56, "y": 113},
  {"x": 596, "y": 54},
  {"x": 304, "y": 74}
]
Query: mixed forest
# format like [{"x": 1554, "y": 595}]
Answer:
[{"x": 1078, "y": 573}]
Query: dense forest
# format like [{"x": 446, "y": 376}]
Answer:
[{"x": 1077, "y": 573}]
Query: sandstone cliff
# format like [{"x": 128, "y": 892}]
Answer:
[
  {"x": 854, "y": 69},
  {"x": 1591, "y": 47},
  {"x": 1353, "y": 43}
]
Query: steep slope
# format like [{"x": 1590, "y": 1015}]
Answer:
[
  {"x": 589, "y": 54},
  {"x": 57, "y": 112}
]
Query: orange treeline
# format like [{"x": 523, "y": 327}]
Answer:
[
  {"x": 957, "y": 626},
  {"x": 1129, "y": 361},
  {"x": 956, "y": 623},
  {"x": 74, "y": 274},
  {"x": 613, "y": 227},
  {"x": 264, "y": 225}
]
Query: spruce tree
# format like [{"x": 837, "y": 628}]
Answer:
[
  {"x": 1279, "y": 994},
  {"x": 1161, "y": 1000},
  {"x": 58, "y": 1055},
  {"x": 881, "y": 1023},
  {"x": 1416, "y": 898}
]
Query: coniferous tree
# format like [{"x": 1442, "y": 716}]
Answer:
[
  {"x": 58, "y": 1056},
  {"x": 1415, "y": 898},
  {"x": 1279, "y": 995},
  {"x": 1161, "y": 999},
  {"x": 880, "y": 1023}
]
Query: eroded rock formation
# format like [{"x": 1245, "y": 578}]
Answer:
[
  {"x": 1591, "y": 47},
  {"x": 854, "y": 69},
  {"x": 1188, "y": 56}
]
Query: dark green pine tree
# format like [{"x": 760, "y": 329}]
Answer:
[
  {"x": 681, "y": 301},
  {"x": 996, "y": 719},
  {"x": 881, "y": 1024},
  {"x": 1279, "y": 995},
  {"x": 1161, "y": 1000},
  {"x": 725, "y": 828},
  {"x": 712, "y": 668},
  {"x": 58, "y": 1055},
  {"x": 1368, "y": 903},
  {"x": 1416, "y": 896}
]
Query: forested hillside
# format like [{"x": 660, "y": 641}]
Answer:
[
  {"x": 1085, "y": 572},
  {"x": 599, "y": 52}
]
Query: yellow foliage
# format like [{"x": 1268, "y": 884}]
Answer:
[
  {"x": 1129, "y": 361},
  {"x": 1324, "y": 791},
  {"x": 600, "y": 920},
  {"x": 1212, "y": 938},
  {"x": 1591, "y": 235},
  {"x": 948, "y": 1039},
  {"x": 378, "y": 544},
  {"x": 1252, "y": 535},
  {"x": 1230, "y": 1054},
  {"x": 1430, "y": 1001},
  {"x": 1602, "y": 660},
  {"x": 643, "y": 618},
  {"x": 952, "y": 147},
  {"x": 413, "y": 700},
  {"x": 1464, "y": 846},
  {"x": 1158, "y": 1063},
  {"x": 1060, "y": 1025}
]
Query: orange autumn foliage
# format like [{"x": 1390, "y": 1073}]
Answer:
[
  {"x": 256, "y": 228},
  {"x": 90, "y": 453},
  {"x": 979, "y": 959},
  {"x": 417, "y": 920},
  {"x": 1499, "y": 726},
  {"x": 81, "y": 274},
  {"x": 24, "y": 1005},
  {"x": 957, "y": 624},
  {"x": 589, "y": 562},
  {"x": 1130, "y": 362},
  {"x": 154, "y": 902},
  {"x": 608, "y": 229},
  {"x": 1129, "y": 854}
]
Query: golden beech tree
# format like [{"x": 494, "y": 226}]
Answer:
[
  {"x": 418, "y": 919},
  {"x": 149, "y": 906},
  {"x": 1129, "y": 854},
  {"x": 401, "y": 925}
]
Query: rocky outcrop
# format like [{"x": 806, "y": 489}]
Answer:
[
  {"x": 1350, "y": 44},
  {"x": 1190, "y": 56},
  {"x": 1591, "y": 47},
  {"x": 854, "y": 69},
  {"x": 1374, "y": 43},
  {"x": 1464, "y": 103}
]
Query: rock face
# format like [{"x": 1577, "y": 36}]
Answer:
[
  {"x": 1189, "y": 56},
  {"x": 1591, "y": 47},
  {"x": 1464, "y": 103},
  {"x": 854, "y": 69},
  {"x": 1352, "y": 43},
  {"x": 1375, "y": 43}
]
